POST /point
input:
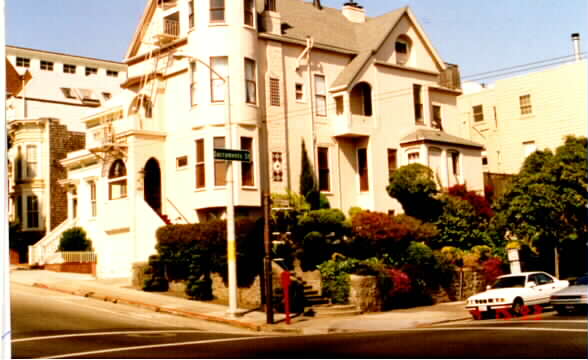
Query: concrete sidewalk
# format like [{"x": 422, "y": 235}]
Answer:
[{"x": 120, "y": 291}]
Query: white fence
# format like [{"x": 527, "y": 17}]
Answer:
[{"x": 78, "y": 256}]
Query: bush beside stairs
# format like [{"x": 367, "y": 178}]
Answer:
[{"x": 314, "y": 304}]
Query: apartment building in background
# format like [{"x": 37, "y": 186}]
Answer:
[
  {"x": 366, "y": 95},
  {"x": 518, "y": 115},
  {"x": 47, "y": 95}
]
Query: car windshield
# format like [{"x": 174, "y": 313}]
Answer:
[{"x": 508, "y": 282}]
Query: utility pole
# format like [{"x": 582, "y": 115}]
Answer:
[{"x": 267, "y": 260}]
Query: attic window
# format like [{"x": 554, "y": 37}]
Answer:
[{"x": 402, "y": 49}]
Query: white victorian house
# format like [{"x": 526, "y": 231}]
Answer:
[{"x": 366, "y": 95}]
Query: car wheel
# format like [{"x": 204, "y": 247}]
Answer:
[
  {"x": 517, "y": 307},
  {"x": 561, "y": 310}
]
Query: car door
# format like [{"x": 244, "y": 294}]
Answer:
[
  {"x": 534, "y": 294},
  {"x": 545, "y": 287}
]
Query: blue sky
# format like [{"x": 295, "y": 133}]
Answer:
[{"x": 478, "y": 35}]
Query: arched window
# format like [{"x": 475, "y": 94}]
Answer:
[
  {"x": 361, "y": 99},
  {"x": 117, "y": 180},
  {"x": 142, "y": 105},
  {"x": 402, "y": 48}
]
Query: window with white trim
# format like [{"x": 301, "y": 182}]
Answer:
[
  {"x": 323, "y": 169},
  {"x": 93, "y": 202},
  {"x": 247, "y": 176},
  {"x": 220, "y": 66},
  {"x": 250, "y": 83},
  {"x": 362, "y": 169},
  {"x": 23, "y": 62},
  {"x": 117, "y": 180},
  {"x": 31, "y": 161},
  {"x": 220, "y": 166},
  {"x": 217, "y": 11},
  {"x": 91, "y": 71},
  {"x": 299, "y": 92},
  {"x": 32, "y": 212},
  {"x": 478, "y": 111},
  {"x": 413, "y": 157},
  {"x": 525, "y": 104},
  {"x": 193, "y": 83},
  {"x": 69, "y": 69},
  {"x": 437, "y": 121},
  {"x": 46, "y": 65},
  {"x": 249, "y": 11},
  {"x": 320, "y": 95},
  {"x": 200, "y": 165}
]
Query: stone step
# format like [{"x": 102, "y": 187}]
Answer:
[{"x": 329, "y": 310}]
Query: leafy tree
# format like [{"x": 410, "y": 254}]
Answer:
[
  {"x": 545, "y": 205},
  {"x": 415, "y": 188},
  {"x": 460, "y": 225},
  {"x": 74, "y": 239},
  {"x": 308, "y": 186}
]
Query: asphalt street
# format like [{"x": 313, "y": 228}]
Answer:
[{"x": 52, "y": 325}]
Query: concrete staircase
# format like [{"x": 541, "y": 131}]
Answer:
[{"x": 315, "y": 305}]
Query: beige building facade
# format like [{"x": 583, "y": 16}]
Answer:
[
  {"x": 47, "y": 94},
  {"x": 518, "y": 115},
  {"x": 366, "y": 95}
]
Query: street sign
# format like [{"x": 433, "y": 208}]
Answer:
[{"x": 232, "y": 155}]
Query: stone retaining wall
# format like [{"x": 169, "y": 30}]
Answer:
[
  {"x": 249, "y": 297},
  {"x": 365, "y": 293}
]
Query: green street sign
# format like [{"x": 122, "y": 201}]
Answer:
[{"x": 232, "y": 155}]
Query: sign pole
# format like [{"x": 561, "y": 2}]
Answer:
[
  {"x": 267, "y": 261},
  {"x": 231, "y": 243}
]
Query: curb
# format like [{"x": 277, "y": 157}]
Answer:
[{"x": 156, "y": 308}]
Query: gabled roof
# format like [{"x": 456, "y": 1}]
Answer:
[
  {"x": 141, "y": 28},
  {"x": 328, "y": 27},
  {"x": 436, "y": 137}
]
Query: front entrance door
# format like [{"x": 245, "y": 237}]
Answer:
[{"x": 152, "y": 187}]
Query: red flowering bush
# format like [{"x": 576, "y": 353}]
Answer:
[
  {"x": 492, "y": 269},
  {"x": 480, "y": 204},
  {"x": 401, "y": 283}
]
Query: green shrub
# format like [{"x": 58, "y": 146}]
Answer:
[
  {"x": 74, "y": 239},
  {"x": 155, "y": 275},
  {"x": 335, "y": 278},
  {"x": 192, "y": 252}
]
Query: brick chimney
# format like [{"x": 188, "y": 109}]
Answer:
[{"x": 353, "y": 12}]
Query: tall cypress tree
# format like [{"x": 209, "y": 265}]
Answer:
[{"x": 308, "y": 186}]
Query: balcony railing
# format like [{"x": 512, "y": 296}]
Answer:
[{"x": 171, "y": 27}]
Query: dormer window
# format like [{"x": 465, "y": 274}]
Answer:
[
  {"x": 217, "y": 10},
  {"x": 402, "y": 49}
]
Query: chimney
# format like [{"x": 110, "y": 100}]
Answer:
[
  {"x": 353, "y": 12},
  {"x": 576, "y": 42},
  {"x": 271, "y": 18},
  {"x": 317, "y": 4}
]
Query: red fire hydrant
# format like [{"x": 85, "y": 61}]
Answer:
[{"x": 285, "y": 279}]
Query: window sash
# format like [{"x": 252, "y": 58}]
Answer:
[
  {"x": 320, "y": 96},
  {"x": 117, "y": 189},
  {"x": 248, "y": 12},
  {"x": 193, "y": 84},
  {"x": 217, "y": 10},
  {"x": 323, "y": 169},
  {"x": 200, "y": 165},
  {"x": 46, "y": 65},
  {"x": 478, "y": 112},
  {"x": 32, "y": 212},
  {"x": 93, "y": 209},
  {"x": 31, "y": 161},
  {"x": 362, "y": 167},
  {"x": 418, "y": 104},
  {"x": 250, "y": 84},
  {"x": 247, "y": 175},
  {"x": 220, "y": 166},
  {"x": 392, "y": 162},
  {"x": 69, "y": 69},
  {"x": 23, "y": 62},
  {"x": 299, "y": 88},
  {"x": 217, "y": 84},
  {"x": 437, "y": 121},
  {"x": 525, "y": 105}
]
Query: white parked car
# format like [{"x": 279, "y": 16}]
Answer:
[{"x": 514, "y": 292}]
